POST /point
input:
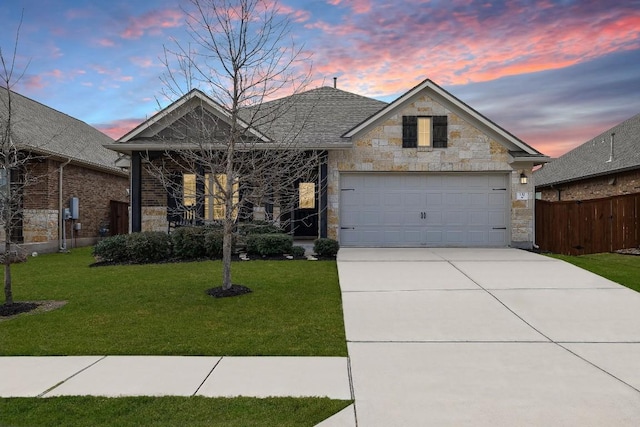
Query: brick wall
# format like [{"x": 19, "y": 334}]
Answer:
[
  {"x": 468, "y": 150},
  {"x": 94, "y": 190},
  {"x": 595, "y": 188}
]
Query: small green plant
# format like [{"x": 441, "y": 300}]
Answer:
[
  {"x": 326, "y": 247},
  {"x": 297, "y": 251},
  {"x": 269, "y": 244},
  {"x": 113, "y": 248},
  {"x": 148, "y": 246},
  {"x": 189, "y": 242},
  {"x": 213, "y": 241},
  {"x": 137, "y": 248}
]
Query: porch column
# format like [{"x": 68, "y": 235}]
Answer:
[
  {"x": 323, "y": 194},
  {"x": 136, "y": 192}
]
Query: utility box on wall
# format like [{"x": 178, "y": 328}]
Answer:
[{"x": 74, "y": 208}]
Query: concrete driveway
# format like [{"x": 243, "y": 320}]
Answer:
[{"x": 487, "y": 337}]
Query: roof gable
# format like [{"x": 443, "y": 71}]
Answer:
[
  {"x": 157, "y": 126},
  {"x": 520, "y": 149},
  {"x": 49, "y": 132},
  {"x": 595, "y": 157}
]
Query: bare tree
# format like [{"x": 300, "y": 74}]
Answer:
[
  {"x": 13, "y": 162},
  {"x": 247, "y": 154}
]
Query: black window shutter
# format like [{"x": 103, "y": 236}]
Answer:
[
  {"x": 174, "y": 198},
  {"x": 409, "y": 131},
  {"x": 439, "y": 132}
]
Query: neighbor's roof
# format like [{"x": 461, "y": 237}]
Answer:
[
  {"x": 591, "y": 159},
  {"x": 49, "y": 132}
]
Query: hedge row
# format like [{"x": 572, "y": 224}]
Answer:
[{"x": 188, "y": 243}]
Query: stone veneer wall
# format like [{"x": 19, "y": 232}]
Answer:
[
  {"x": 595, "y": 188},
  {"x": 469, "y": 150}
]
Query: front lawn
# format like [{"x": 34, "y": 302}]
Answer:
[
  {"x": 166, "y": 411},
  {"x": 162, "y": 309},
  {"x": 623, "y": 269}
]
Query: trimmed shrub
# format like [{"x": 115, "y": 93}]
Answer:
[
  {"x": 113, "y": 248},
  {"x": 148, "y": 246},
  {"x": 189, "y": 242},
  {"x": 213, "y": 241},
  {"x": 269, "y": 244},
  {"x": 326, "y": 247},
  {"x": 297, "y": 251},
  {"x": 259, "y": 227}
]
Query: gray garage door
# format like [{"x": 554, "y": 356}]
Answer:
[{"x": 398, "y": 209}]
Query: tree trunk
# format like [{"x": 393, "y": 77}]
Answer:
[
  {"x": 227, "y": 246},
  {"x": 8, "y": 294}
]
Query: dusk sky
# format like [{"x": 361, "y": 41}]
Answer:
[{"x": 555, "y": 73}]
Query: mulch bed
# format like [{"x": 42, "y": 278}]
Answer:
[
  {"x": 233, "y": 291},
  {"x": 9, "y": 311}
]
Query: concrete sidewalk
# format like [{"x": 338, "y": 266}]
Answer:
[
  {"x": 175, "y": 375},
  {"x": 487, "y": 337}
]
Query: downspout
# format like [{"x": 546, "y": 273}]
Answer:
[{"x": 62, "y": 238}]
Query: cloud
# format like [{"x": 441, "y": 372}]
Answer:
[
  {"x": 143, "y": 62},
  {"x": 458, "y": 42},
  {"x": 152, "y": 23},
  {"x": 553, "y": 110},
  {"x": 118, "y": 128},
  {"x": 358, "y": 6},
  {"x": 104, "y": 42}
]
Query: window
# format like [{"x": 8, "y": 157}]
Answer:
[
  {"x": 424, "y": 131},
  {"x": 188, "y": 190},
  {"x": 210, "y": 193},
  {"x": 307, "y": 195},
  {"x": 214, "y": 200}
]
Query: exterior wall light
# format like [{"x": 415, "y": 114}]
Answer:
[{"x": 523, "y": 178}]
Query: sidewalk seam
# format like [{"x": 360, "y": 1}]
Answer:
[
  {"x": 68, "y": 378},
  {"x": 208, "y": 375}
]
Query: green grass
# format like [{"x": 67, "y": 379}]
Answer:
[
  {"x": 165, "y": 411},
  {"x": 162, "y": 309},
  {"x": 623, "y": 269}
]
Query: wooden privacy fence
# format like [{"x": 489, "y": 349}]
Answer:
[
  {"x": 118, "y": 218},
  {"x": 589, "y": 226}
]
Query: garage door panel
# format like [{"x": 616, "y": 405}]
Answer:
[
  {"x": 405, "y": 209},
  {"x": 478, "y": 218},
  {"x": 496, "y": 219}
]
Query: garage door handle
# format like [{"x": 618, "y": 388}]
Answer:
[
  {"x": 499, "y": 228},
  {"x": 347, "y": 228},
  {"x": 499, "y": 189}
]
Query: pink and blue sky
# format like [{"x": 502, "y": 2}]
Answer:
[{"x": 555, "y": 73}]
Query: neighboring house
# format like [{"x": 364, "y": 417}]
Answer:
[
  {"x": 424, "y": 170},
  {"x": 70, "y": 162},
  {"x": 607, "y": 165}
]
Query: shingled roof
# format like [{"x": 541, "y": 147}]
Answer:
[
  {"x": 49, "y": 132},
  {"x": 319, "y": 116},
  {"x": 592, "y": 158}
]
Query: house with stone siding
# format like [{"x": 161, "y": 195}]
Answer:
[
  {"x": 425, "y": 170},
  {"x": 73, "y": 172},
  {"x": 606, "y": 165}
]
